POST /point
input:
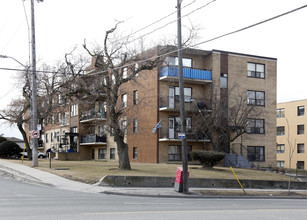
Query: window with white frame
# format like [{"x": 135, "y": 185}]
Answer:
[
  {"x": 74, "y": 110},
  {"x": 135, "y": 125},
  {"x": 255, "y": 70},
  {"x": 187, "y": 92},
  {"x": 280, "y": 148},
  {"x": 280, "y": 113},
  {"x": 135, "y": 97},
  {"x": 300, "y": 110},
  {"x": 173, "y": 61},
  {"x": 124, "y": 126},
  {"x": 125, "y": 73},
  {"x": 124, "y": 100},
  {"x": 280, "y": 163}
]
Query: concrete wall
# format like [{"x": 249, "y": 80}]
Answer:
[{"x": 146, "y": 181}]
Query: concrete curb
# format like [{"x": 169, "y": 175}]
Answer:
[{"x": 22, "y": 176}]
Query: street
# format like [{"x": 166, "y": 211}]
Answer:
[{"x": 20, "y": 200}]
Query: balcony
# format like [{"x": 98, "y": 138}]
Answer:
[
  {"x": 189, "y": 74},
  {"x": 167, "y": 134},
  {"x": 93, "y": 139},
  {"x": 92, "y": 115},
  {"x": 172, "y": 103}
]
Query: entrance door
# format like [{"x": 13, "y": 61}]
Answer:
[
  {"x": 171, "y": 131},
  {"x": 171, "y": 98}
]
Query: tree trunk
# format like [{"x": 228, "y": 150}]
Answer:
[
  {"x": 123, "y": 156},
  {"x": 25, "y": 139}
]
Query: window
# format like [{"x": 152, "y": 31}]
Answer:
[
  {"x": 135, "y": 97},
  {"x": 300, "y": 165},
  {"x": 51, "y": 136},
  {"x": 124, "y": 100},
  {"x": 188, "y": 123},
  {"x": 124, "y": 126},
  {"x": 58, "y": 136},
  {"x": 280, "y": 163},
  {"x": 52, "y": 119},
  {"x": 300, "y": 129},
  {"x": 300, "y": 110},
  {"x": 102, "y": 153},
  {"x": 135, "y": 125},
  {"x": 255, "y": 153},
  {"x": 136, "y": 69},
  {"x": 47, "y": 138},
  {"x": 255, "y": 98},
  {"x": 280, "y": 113},
  {"x": 112, "y": 153},
  {"x": 125, "y": 70},
  {"x": 74, "y": 130},
  {"x": 280, "y": 148},
  {"x": 187, "y": 94},
  {"x": 173, "y": 61},
  {"x": 255, "y": 70},
  {"x": 255, "y": 126},
  {"x": 280, "y": 130},
  {"x": 300, "y": 148},
  {"x": 174, "y": 152},
  {"x": 74, "y": 110},
  {"x": 135, "y": 153},
  {"x": 224, "y": 80}
]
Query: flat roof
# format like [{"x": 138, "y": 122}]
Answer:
[{"x": 243, "y": 54}]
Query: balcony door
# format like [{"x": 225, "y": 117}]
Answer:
[
  {"x": 171, "y": 95},
  {"x": 171, "y": 127}
]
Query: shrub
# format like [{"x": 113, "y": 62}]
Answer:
[
  {"x": 9, "y": 149},
  {"x": 207, "y": 158}
]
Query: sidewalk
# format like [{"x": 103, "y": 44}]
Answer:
[{"x": 28, "y": 174}]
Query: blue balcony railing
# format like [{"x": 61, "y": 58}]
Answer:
[{"x": 187, "y": 73}]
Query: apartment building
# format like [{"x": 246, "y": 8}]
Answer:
[
  {"x": 290, "y": 135},
  {"x": 153, "y": 96}
]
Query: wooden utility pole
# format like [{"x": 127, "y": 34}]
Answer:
[{"x": 185, "y": 177}]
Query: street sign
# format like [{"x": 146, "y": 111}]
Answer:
[
  {"x": 35, "y": 134},
  {"x": 181, "y": 135}
]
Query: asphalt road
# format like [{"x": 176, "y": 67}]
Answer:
[{"x": 20, "y": 200}]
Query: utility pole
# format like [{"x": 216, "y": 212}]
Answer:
[
  {"x": 34, "y": 102},
  {"x": 185, "y": 177}
]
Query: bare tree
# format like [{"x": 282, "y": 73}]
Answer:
[
  {"x": 223, "y": 123},
  {"x": 116, "y": 64}
]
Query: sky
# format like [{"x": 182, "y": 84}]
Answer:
[{"x": 61, "y": 26}]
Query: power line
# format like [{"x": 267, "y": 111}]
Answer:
[
  {"x": 174, "y": 51},
  {"x": 212, "y": 39},
  {"x": 155, "y": 22},
  {"x": 171, "y": 22}
]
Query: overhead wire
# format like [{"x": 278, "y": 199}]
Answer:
[
  {"x": 197, "y": 44},
  {"x": 171, "y": 22},
  {"x": 155, "y": 22}
]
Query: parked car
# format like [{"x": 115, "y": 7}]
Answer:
[{"x": 39, "y": 154}]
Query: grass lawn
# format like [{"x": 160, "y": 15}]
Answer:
[{"x": 93, "y": 171}]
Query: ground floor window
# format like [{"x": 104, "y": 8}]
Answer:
[
  {"x": 175, "y": 152},
  {"x": 255, "y": 153},
  {"x": 102, "y": 153},
  {"x": 300, "y": 165},
  {"x": 280, "y": 163},
  {"x": 112, "y": 153},
  {"x": 135, "y": 153}
]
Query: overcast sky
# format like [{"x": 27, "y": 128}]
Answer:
[{"x": 62, "y": 25}]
